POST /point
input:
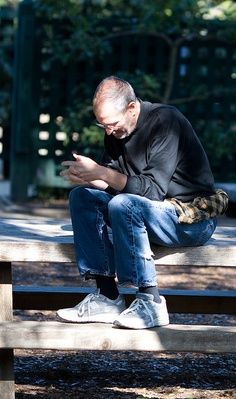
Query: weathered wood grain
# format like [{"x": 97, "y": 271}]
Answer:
[
  {"x": 52, "y": 241},
  {"x": 65, "y": 336},
  {"x": 6, "y": 355}
]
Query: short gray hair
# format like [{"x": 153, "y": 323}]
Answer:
[{"x": 116, "y": 91}]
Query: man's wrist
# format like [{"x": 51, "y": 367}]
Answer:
[{"x": 113, "y": 178}]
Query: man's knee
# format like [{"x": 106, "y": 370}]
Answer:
[
  {"x": 88, "y": 197},
  {"x": 77, "y": 194},
  {"x": 120, "y": 203}
]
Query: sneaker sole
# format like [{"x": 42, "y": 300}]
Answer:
[
  {"x": 140, "y": 325},
  {"x": 108, "y": 319}
]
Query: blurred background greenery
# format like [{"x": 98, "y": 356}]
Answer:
[{"x": 53, "y": 54}]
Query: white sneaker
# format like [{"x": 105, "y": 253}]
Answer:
[
  {"x": 94, "y": 308},
  {"x": 144, "y": 313}
]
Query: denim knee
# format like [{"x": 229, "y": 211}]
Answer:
[
  {"x": 78, "y": 194},
  {"x": 119, "y": 204},
  {"x": 86, "y": 197}
]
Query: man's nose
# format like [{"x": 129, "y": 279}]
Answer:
[{"x": 109, "y": 130}]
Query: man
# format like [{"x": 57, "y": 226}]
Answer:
[{"x": 150, "y": 191}]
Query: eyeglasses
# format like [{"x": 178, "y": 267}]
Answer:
[{"x": 108, "y": 125}]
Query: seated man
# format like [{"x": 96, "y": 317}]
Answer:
[{"x": 150, "y": 190}]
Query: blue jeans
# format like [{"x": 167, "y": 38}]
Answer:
[{"x": 112, "y": 234}]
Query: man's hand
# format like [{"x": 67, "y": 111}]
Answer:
[
  {"x": 83, "y": 169},
  {"x": 86, "y": 171},
  {"x": 72, "y": 173}
]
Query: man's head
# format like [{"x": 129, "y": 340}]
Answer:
[{"x": 116, "y": 107}]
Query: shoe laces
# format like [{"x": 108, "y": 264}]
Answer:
[
  {"x": 89, "y": 298},
  {"x": 136, "y": 304}
]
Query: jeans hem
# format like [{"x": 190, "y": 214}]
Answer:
[
  {"x": 130, "y": 283},
  {"x": 91, "y": 275}
]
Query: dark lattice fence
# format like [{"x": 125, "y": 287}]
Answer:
[
  {"x": 52, "y": 98},
  {"x": 7, "y": 30}
]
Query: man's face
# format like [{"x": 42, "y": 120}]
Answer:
[{"x": 119, "y": 124}]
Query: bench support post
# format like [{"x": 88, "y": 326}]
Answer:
[
  {"x": 7, "y": 383},
  {"x": 7, "y": 380}
]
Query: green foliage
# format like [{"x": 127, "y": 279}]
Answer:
[
  {"x": 147, "y": 86},
  {"x": 81, "y": 31},
  {"x": 221, "y": 148},
  {"x": 11, "y": 3},
  {"x": 45, "y": 194},
  {"x": 7, "y": 31},
  {"x": 89, "y": 21},
  {"x": 221, "y": 10}
]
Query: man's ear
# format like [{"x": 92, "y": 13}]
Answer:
[{"x": 131, "y": 107}]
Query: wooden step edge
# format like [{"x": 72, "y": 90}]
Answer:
[{"x": 95, "y": 336}]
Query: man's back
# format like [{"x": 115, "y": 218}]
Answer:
[{"x": 163, "y": 157}]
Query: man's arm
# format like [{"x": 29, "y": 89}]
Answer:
[{"x": 114, "y": 179}]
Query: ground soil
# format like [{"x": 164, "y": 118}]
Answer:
[{"x": 127, "y": 375}]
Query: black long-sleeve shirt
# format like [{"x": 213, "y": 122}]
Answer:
[{"x": 162, "y": 157}]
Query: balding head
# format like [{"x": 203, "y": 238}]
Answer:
[
  {"x": 116, "y": 107},
  {"x": 113, "y": 91}
]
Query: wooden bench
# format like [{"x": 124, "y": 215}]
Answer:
[{"x": 47, "y": 240}]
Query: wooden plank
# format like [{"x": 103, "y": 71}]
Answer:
[
  {"x": 49, "y": 240},
  {"x": 95, "y": 336},
  {"x": 208, "y": 255},
  {"x": 178, "y": 301},
  {"x": 31, "y": 251},
  {"x": 6, "y": 314},
  {"x": 60, "y": 231},
  {"x": 5, "y": 291},
  {"x": 42, "y": 240}
]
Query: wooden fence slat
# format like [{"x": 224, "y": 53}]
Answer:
[{"x": 6, "y": 355}]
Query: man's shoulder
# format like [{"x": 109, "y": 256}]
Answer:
[
  {"x": 161, "y": 109},
  {"x": 163, "y": 113},
  {"x": 166, "y": 109}
]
